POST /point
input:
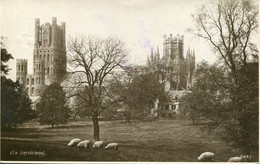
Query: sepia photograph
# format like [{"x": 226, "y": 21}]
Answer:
[{"x": 129, "y": 81}]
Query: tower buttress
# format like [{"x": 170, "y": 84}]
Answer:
[
  {"x": 37, "y": 33},
  {"x": 53, "y": 32},
  {"x": 63, "y": 34}
]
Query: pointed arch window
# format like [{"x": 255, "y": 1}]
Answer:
[
  {"x": 45, "y": 37},
  {"x": 32, "y": 90}
]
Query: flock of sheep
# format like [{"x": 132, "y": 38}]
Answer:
[
  {"x": 204, "y": 157},
  {"x": 210, "y": 157},
  {"x": 86, "y": 144}
]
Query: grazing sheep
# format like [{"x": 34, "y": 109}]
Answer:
[
  {"x": 84, "y": 144},
  {"x": 98, "y": 145},
  {"x": 207, "y": 157},
  {"x": 74, "y": 142},
  {"x": 112, "y": 146},
  {"x": 242, "y": 158}
]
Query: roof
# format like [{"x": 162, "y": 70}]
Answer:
[
  {"x": 34, "y": 98},
  {"x": 179, "y": 94}
]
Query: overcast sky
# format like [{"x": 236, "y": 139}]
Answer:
[{"x": 141, "y": 24}]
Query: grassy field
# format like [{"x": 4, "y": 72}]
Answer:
[{"x": 158, "y": 140}]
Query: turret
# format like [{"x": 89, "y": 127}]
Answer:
[
  {"x": 151, "y": 56},
  {"x": 37, "y": 33},
  {"x": 157, "y": 55},
  {"x": 54, "y": 33},
  {"x": 21, "y": 70},
  {"x": 193, "y": 60},
  {"x": 63, "y": 34},
  {"x": 180, "y": 46}
]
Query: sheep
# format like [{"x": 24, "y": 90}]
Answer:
[
  {"x": 242, "y": 158},
  {"x": 98, "y": 145},
  {"x": 74, "y": 142},
  {"x": 112, "y": 146},
  {"x": 84, "y": 144},
  {"x": 207, "y": 157}
]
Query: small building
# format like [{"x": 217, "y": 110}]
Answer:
[{"x": 171, "y": 107}]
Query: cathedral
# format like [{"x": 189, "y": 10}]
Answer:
[
  {"x": 50, "y": 64},
  {"x": 49, "y": 58},
  {"x": 175, "y": 71}
]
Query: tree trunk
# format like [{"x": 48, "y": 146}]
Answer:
[
  {"x": 96, "y": 125},
  {"x": 193, "y": 121}
]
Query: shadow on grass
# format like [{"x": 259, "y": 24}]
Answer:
[{"x": 68, "y": 126}]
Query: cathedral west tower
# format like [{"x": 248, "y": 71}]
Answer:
[{"x": 49, "y": 58}]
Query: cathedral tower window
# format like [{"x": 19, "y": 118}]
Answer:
[
  {"x": 32, "y": 82},
  {"x": 27, "y": 81},
  {"x": 32, "y": 90}
]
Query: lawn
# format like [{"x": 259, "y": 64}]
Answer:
[{"x": 158, "y": 140}]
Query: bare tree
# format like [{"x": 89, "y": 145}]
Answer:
[
  {"x": 229, "y": 27},
  {"x": 95, "y": 61}
]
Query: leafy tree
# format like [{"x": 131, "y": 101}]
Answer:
[
  {"x": 207, "y": 94},
  {"x": 5, "y": 57},
  {"x": 211, "y": 98},
  {"x": 244, "y": 131},
  {"x": 141, "y": 95},
  {"x": 15, "y": 103},
  {"x": 189, "y": 107},
  {"x": 94, "y": 61},
  {"x": 229, "y": 27},
  {"x": 51, "y": 109}
]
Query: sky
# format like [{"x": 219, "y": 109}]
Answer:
[{"x": 141, "y": 24}]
